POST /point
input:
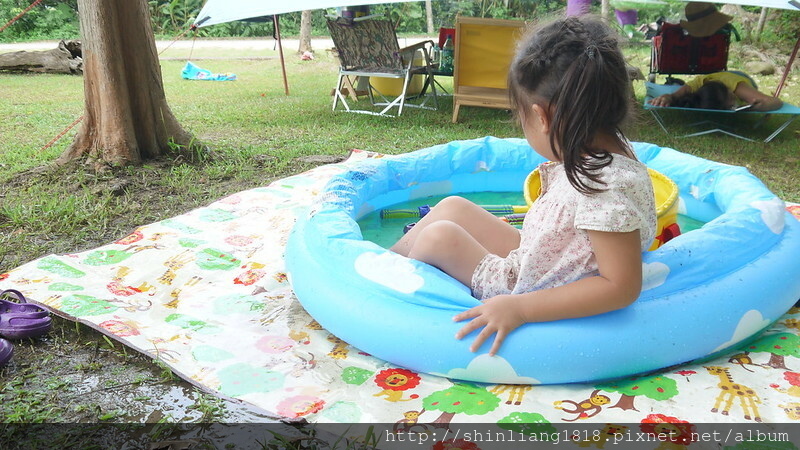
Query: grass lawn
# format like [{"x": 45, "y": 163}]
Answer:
[{"x": 257, "y": 135}]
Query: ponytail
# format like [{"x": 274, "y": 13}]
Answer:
[{"x": 576, "y": 67}]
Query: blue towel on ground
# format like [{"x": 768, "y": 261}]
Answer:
[{"x": 192, "y": 72}]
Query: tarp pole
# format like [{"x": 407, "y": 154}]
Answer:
[
  {"x": 280, "y": 50},
  {"x": 788, "y": 68}
]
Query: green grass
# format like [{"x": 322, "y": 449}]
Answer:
[{"x": 24, "y": 403}]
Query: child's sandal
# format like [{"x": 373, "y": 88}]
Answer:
[
  {"x": 6, "y": 350},
  {"x": 21, "y": 306}
]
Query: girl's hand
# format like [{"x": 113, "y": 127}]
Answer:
[
  {"x": 500, "y": 314},
  {"x": 618, "y": 284}
]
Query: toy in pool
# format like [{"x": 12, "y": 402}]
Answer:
[
  {"x": 666, "y": 192},
  {"x": 704, "y": 291}
]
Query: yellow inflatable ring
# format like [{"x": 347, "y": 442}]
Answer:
[{"x": 666, "y": 192}]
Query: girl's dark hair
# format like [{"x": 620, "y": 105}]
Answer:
[
  {"x": 711, "y": 95},
  {"x": 574, "y": 68}
]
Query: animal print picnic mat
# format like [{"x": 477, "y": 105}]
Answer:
[{"x": 206, "y": 293}]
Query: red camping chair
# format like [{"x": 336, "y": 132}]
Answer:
[
  {"x": 674, "y": 51},
  {"x": 444, "y": 33}
]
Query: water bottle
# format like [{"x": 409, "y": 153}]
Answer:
[
  {"x": 446, "y": 64},
  {"x": 435, "y": 54}
]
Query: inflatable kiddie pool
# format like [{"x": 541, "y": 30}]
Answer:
[{"x": 704, "y": 291}]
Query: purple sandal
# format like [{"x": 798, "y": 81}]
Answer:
[
  {"x": 20, "y": 306},
  {"x": 6, "y": 350},
  {"x": 22, "y": 320},
  {"x": 21, "y": 326}
]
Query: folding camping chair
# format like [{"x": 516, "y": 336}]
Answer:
[
  {"x": 674, "y": 51},
  {"x": 368, "y": 49},
  {"x": 789, "y": 111}
]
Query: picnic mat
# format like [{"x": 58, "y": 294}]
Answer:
[{"x": 206, "y": 293}]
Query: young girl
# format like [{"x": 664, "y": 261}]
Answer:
[{"x": 580, "y": 249}]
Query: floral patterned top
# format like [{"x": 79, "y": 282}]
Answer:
[{"x": 554, "y": 248}]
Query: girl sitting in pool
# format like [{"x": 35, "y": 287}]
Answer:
[{"x": 579, "y": 252}]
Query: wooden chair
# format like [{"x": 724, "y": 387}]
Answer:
[
  {"x": 368, "y": 48},
  {"x": 484, "y": 50}
]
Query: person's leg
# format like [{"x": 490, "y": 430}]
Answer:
[
  {"x": 490, "y": 232},
  {"x": 448, "y": 246}
]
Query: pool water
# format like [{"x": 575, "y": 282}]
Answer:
[
  {"x": 688, "y": 224},
  {"x": 385, "y": 232}
]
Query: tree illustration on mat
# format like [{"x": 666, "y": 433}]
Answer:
[
  {"x": 655, "y": 387},
  {"x": 778, "y": 346},
  {"x": 460, "y": 398},
  {"x": 531, "y": 424}
]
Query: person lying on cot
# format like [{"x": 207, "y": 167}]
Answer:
[
  {"x": 719, "y": 90},
  {"x": 579, "y": 252}
]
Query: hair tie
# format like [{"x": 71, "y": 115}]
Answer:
[{"x": 590, "y": 50}]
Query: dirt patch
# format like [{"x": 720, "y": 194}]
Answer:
[{"x": 124, "y": 198}]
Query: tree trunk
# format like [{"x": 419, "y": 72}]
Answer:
[
  {"x": 443, "y": 421},
  {"x": 305, "y": 32},
  {"x": 126, "y": 116},
  {"x": 777, "y": 361},
  {"x": 429, "y": 15},
  {"x": 625, "y": 403},
  {"x": 762, "y": 19},
  {"x": 66, "y": 58},
  {"x": 605, "y": 10}
]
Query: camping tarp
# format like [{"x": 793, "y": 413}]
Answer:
[{"x": 221, "y": 11}]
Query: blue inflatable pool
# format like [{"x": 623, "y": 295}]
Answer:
[{"x": 704, "y": 291}]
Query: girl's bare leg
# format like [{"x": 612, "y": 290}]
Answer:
[
  {"x": 488, "y": 231},
  {"x": 449, "y": 247}
]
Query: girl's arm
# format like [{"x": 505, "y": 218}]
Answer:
[
  {"x": 759, "y": 100},
  {"x": 618, "y": 284},
  {"x": 668, "y": 99}
]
